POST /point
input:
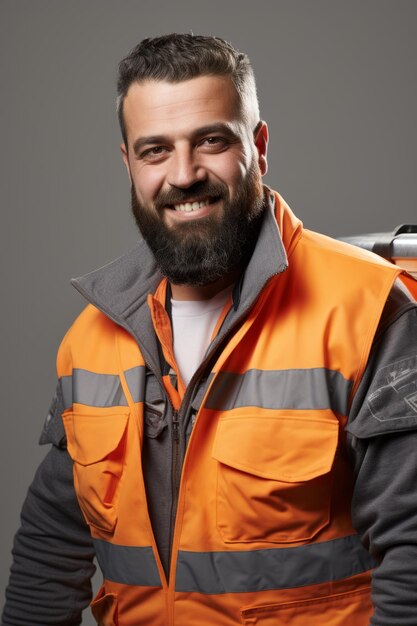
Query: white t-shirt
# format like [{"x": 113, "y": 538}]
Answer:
[{"x": 193, "y": 323}]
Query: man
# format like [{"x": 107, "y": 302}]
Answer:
[{"x": 234, "y": 428}]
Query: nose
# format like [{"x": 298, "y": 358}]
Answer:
[{"x": 185, "y": 168}]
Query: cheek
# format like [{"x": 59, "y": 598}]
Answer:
[
  {"x": 230, "y": 169},
  {"x": 147, "y": 182}
]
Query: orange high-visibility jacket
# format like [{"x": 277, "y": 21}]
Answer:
[{"x": 263, "y": 531}]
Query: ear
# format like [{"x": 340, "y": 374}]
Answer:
[
  {"x": 260, "y": 138},
  {"x": 125, "y": 158}
]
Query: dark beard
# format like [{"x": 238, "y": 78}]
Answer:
[{"x": 201, "y": 251}]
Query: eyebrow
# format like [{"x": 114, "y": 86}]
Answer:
[{"x": 220, "y": 127}]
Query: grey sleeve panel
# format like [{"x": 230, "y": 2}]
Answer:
[
  {"x": 52, "y": 553},
  {"x": 384, "y": 513},
  {"x": 382, "y": 441},
  {"x": 53, "y": 428}
]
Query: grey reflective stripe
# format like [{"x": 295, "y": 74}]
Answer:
[
  {"x": 274, "y": 568},
  {"x": 315, "y": 388},
  {"x": 101, "y": 390},
  {"x": 127, "y": 565},
  {"x": 135, "y": 378}
]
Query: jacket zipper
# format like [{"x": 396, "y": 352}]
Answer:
[
  {"x": 175, "y": 428},
  {"x": 176, "y": 467}
]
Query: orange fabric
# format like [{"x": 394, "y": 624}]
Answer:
[
  {"x": 410, "y": 283},
  {"x": 242, "y": 464},
  {"x": 163, "y": 330}
]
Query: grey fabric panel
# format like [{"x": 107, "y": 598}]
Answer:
[
  {"x": 53, "y": 552},
  {"x": 53, "y": 429},
  {"x": 127, "y": 565},
  {"x": 100, "y": 390},
  {"x": 315, "y": 388},
  {"x": 268, "y": 259},
  {"x": 135, "y": 378},
  {"x": 66, "y": 388},
  {"x": 275, "y": 568}
]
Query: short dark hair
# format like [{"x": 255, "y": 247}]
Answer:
[{"x": 177, "y": 57}]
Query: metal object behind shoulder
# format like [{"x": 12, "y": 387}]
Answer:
[{"x": 399, "y": 246}]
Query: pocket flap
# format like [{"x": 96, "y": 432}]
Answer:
[
  {"x": 90, "y": 438},
  {"x": 281, "y": 448},
  {"x": 104, "y": 608},
  {"x": 352, "y": 607}
]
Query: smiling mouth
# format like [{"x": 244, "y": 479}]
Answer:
[{"x": 188, "y": 207}]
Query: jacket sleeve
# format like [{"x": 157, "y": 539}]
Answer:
[
  {"x": 53, "y": 552},
  {"x": 382, "y": 440}
]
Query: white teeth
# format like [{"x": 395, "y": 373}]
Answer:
[{"x": 191, "y": 206}]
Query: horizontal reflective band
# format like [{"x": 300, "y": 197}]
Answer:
[
  {"x": 315, "y": 388},
  {"x": 135, "y": 378},
  {"x": 276, "y": 568},
  {"x": 102, "y": 390},
  {"x": 127, "y": 565}
]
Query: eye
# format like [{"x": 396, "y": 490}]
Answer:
[
  {"x": 214, "y": 144},
  {"x": 212, "y": 140},
  {"x": 153, "y": 153}
]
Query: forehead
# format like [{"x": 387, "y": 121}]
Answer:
[{"x": 159, "y": 107}]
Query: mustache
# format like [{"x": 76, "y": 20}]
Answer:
[{"x": 201, "y": 188}]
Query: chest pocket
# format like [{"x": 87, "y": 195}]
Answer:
[
  {"x": 96, "y": 444},
  {"x": 274, "y": 477}
]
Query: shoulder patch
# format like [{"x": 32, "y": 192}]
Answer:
[
  {"x": 395, "y": 397},
  {"x": 392, "y": 405}
]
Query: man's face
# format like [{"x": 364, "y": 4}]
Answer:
[{"x": 195, "y": 169}]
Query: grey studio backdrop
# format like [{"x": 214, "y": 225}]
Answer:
[{"x": 337, "y": 85}]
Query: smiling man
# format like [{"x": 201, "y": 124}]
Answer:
[{"x": 234, "y": 427}]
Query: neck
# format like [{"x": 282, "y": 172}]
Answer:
[{"x": 203, "y": 292}]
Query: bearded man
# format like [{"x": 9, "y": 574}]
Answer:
[{"x": 234, "y": 427}]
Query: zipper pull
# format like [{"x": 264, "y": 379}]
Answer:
[{"x": 175, "y": 426}]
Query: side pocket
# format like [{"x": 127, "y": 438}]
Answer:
[
  {"x": 104, "y": 608},
  {"x": 353, "y": 608},
  {"x": 96, "y": 444}
]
